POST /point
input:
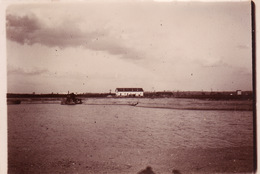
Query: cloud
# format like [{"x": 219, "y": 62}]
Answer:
[
  {"x": 21, "y": 29},
  {"x": 215, "y": 64},
  {"x": 241, "y": 46},
  {"x": 30, "y": 30},
  {"x": 29, "y": 71}
]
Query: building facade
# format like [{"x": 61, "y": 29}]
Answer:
[{"x": 129, "y": 92}]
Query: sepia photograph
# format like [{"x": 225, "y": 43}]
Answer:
[{"x": 130, "y": 87}]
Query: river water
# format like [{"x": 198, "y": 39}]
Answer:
[{"x": 111, "y": 136}]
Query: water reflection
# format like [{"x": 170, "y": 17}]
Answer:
[
  {"x": 176, "y": 172},
  {"x": 148, "y": 170}
]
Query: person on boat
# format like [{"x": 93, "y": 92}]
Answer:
[{"x": 73, "y": 97}]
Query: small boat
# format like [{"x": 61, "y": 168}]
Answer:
[
  {"x": 134, "y": 104},
  {"x": 13, "y": 102},
  {"x": 71, "y": 100},
  {"x": 67, "y": 102}
]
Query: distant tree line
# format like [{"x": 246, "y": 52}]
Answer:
[
  {"x": 246, "y": 95},
  {"x": 53, "y": 95}
]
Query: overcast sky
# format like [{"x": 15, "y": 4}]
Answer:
[{"x": 95, "y": 47}]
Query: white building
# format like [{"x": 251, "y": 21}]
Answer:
[
  {"x": 129, "y": 92},
  {"x": 239, "y": 92}
]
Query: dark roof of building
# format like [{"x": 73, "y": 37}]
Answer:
[{"x": 130, "y": 89}]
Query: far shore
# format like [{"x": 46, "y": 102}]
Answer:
[{"x": 225, "y": 95}]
